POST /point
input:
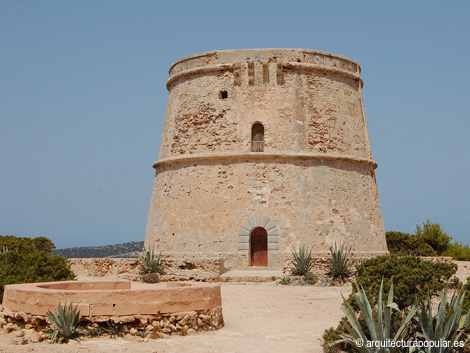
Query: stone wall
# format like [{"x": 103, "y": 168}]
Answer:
[
  {"x": 188, "y": 268},
  {"x": 177, "y": 269},
  {"x": 126, "y": 268},
  {"x": 25, "y": 328}
]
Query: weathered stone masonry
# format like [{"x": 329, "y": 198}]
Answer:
[{"x": 312, "y": 183}]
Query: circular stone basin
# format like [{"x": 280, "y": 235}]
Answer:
[{"x": 112, "y": 297}]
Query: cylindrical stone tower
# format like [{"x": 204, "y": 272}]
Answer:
[{"x": 264, "y": 150}]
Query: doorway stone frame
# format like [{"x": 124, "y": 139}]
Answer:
[{"x": 254, "y": 222}]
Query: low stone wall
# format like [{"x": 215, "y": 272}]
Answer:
[
  {"x": 25, "y": 328},
  {"x": 320, "y": 264},
  {"x": 194, "y": 269},
  {"x": 126, "y": 268}
]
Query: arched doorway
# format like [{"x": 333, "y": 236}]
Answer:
[{"x": 259, "y": 247}]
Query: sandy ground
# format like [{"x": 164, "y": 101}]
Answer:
[{"x": 259, "y": 317}]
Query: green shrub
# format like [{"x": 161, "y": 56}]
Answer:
[
  {"x": 418, "y": 246},
  {"x": 405, "y": 244},
  {"x": 331, "y": 337},
  {"x": 429, "y": 240},
  {"x": 397, "y": 243},
  {"x": 339, "y": 262},
  {"x": 301, "y": 261},
  {"x": 412, "y": 277},
  {"x": 64, "y": 322},
  {"x": 310, "y": 278},
  {"x": 29, "y": 260},
  {"x": 114, "y": 329},
  {"x": 23, "y": 244},
  {"x": 433, "y": 234},
  {"x": 458, "y": 251}
]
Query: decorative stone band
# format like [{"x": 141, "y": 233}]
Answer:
[
  {"x": 287, "y": 65},
  {"x": 255, "y": 222},
  {"x": 198, "y": 71},
  {"x": 261, "y": 155}
]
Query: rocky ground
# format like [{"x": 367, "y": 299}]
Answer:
[{"x": 259, "y": 317}]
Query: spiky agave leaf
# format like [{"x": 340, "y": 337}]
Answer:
[
  {"x": 64, "y": 321},
  {"x": 379, "y": 325},
  {"x": 449, "y": 324},
  {"x": 301, "y": 261},
  {"x": 149, "y": 263},
  {"x": 339, "y": 262}
]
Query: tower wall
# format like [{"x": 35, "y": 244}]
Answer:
[{"x": 314, "y": 182}]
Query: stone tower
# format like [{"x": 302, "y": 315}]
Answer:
[{"x": 264, "y": 150}]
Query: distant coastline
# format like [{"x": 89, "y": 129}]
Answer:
[{"x": 124, "y": 250}]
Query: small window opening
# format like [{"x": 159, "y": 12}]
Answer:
[
  {"x": 257, "y": 138},
  {"x": 223, "y": 95}
]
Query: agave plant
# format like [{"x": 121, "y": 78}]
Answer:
[
  {"x": 114, "y": 329},
  {"x": 378, "y": 322},
  {"x": 339, "y": 262},
  {"x": 450, "y": 324},
  {"x": 64, "y": 321},
  {"x": 301, "y": 261},
  {"x": 150, "y": 264}
]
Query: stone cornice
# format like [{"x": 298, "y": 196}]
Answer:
[
  {"x": 266, "y": 157},
  {"x": 198, "y": 71},
  {"x": 287, "y": 65},
  {"x": 322, "y": 68}
]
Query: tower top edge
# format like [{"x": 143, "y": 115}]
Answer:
[{"x": 216, "y": 57}]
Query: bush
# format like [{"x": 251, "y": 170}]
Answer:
[
  {"x": 458, "y": 251},
  {"x": 433, "y": 234},
  {"x": 412, "y": 277},
  {"x": 310, "y": 278},
  {"x": 30, "y": 260},
  {"x": 23, "y": 244},
  {"x": 405, "y": 244}
]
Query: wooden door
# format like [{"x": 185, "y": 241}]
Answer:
[
  {"x": 257, "y": 138},
  {"x": 259, "y": 247}
]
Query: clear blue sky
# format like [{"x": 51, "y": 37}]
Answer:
[{"x": 83, "y": 98}]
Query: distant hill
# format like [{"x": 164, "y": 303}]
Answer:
[{"x": 118, "y": 250}]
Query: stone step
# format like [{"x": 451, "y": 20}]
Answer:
[{"x": 252, "y": 275}]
